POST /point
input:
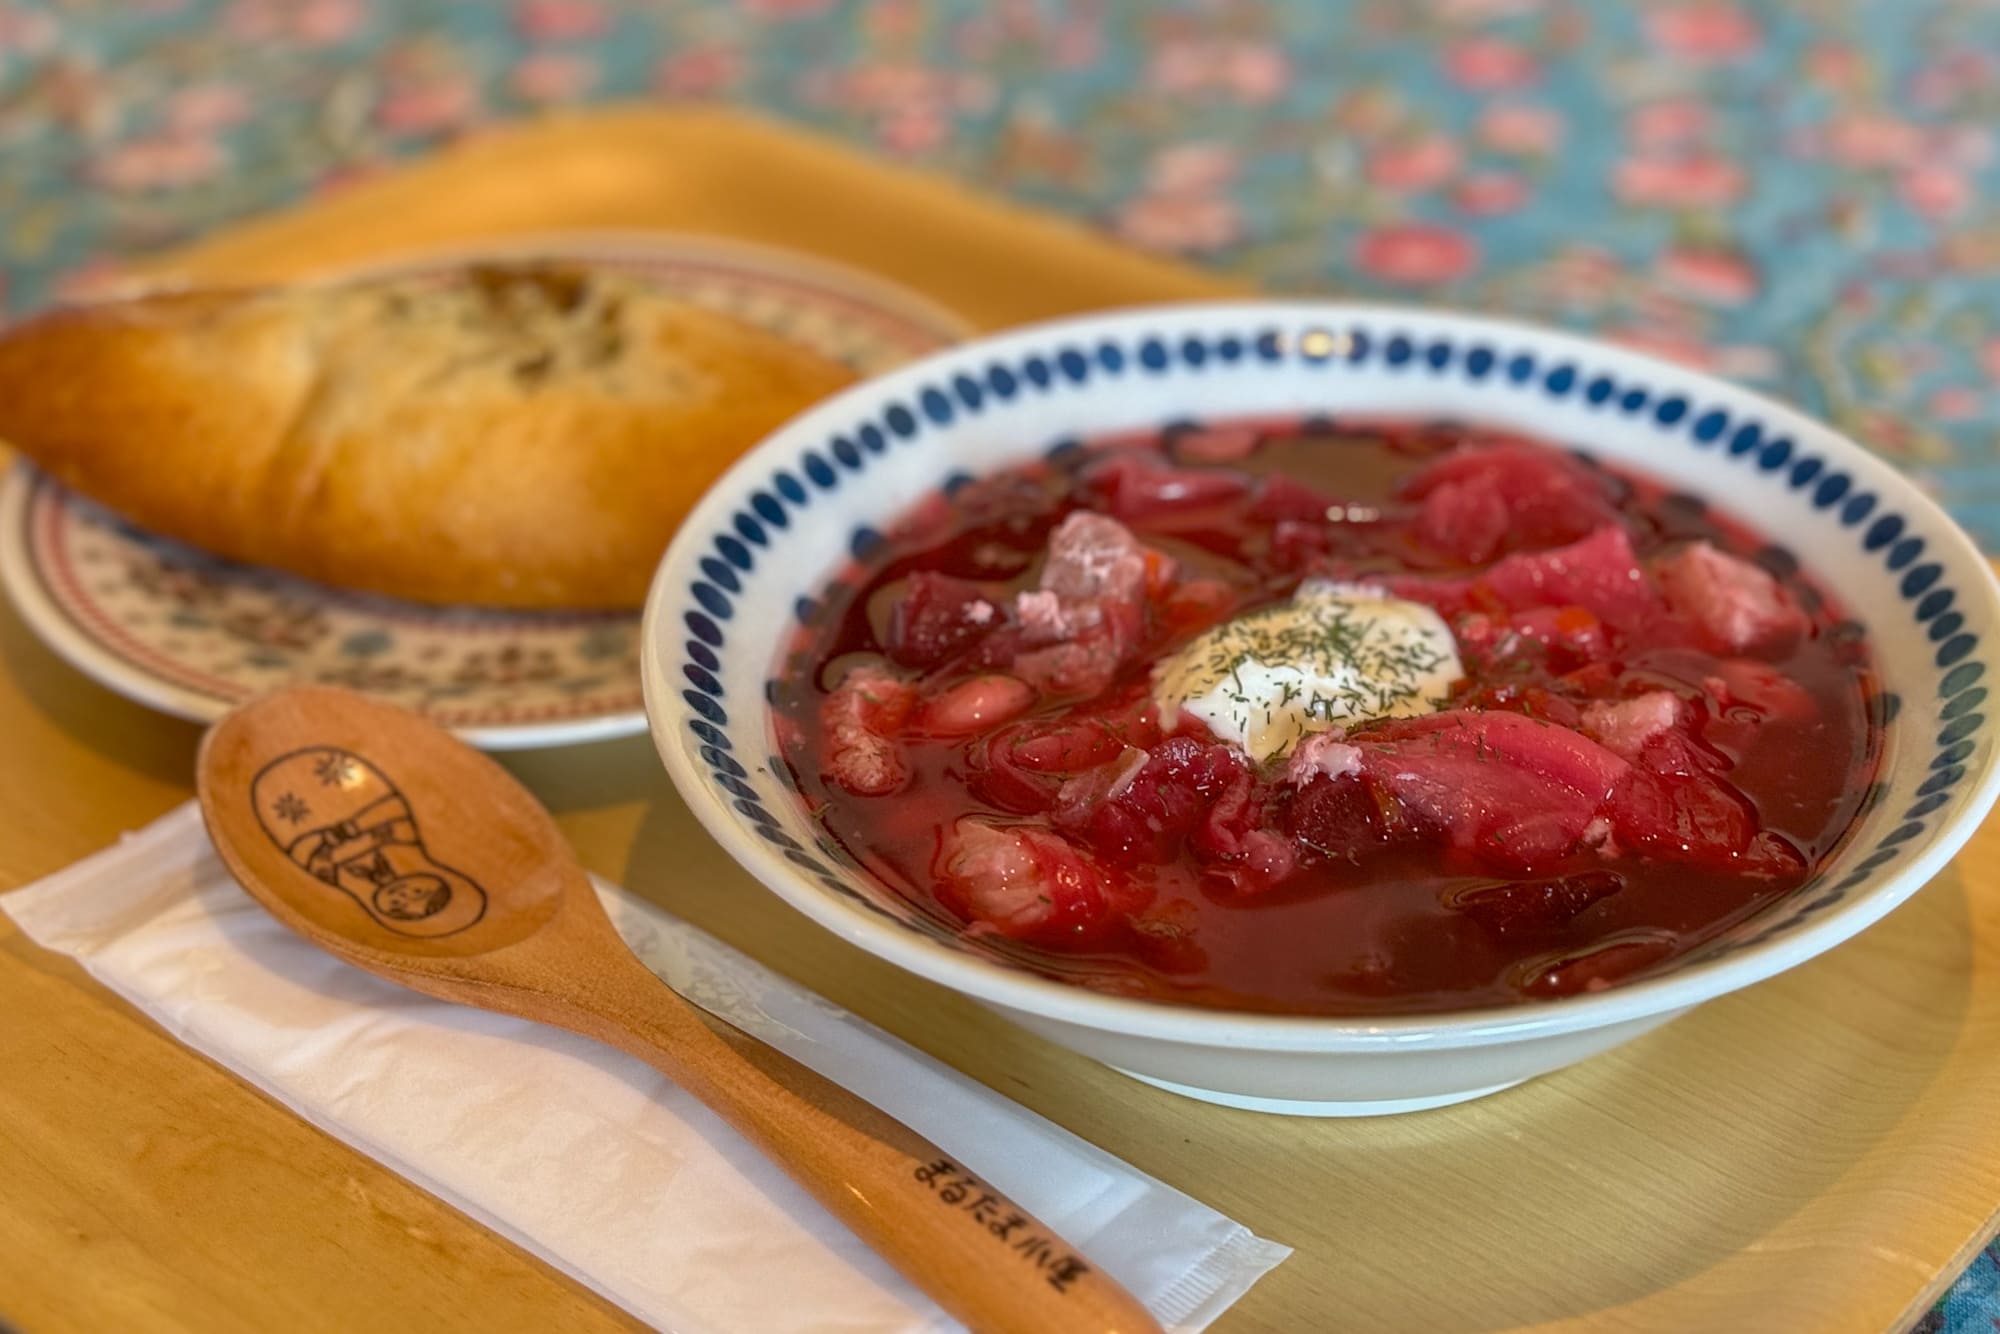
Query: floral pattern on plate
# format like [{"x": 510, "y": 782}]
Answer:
[{"x": 191, "y": 634}]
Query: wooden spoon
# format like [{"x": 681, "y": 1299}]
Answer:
[{"x": 389, "y": 844}]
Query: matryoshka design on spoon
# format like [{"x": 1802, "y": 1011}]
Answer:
[{"x": 340, "y": 818}]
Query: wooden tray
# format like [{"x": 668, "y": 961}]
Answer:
[{"x": 1819, "y": 1153}]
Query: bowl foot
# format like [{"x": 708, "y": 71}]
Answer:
[{"x": 1310, "y": 1107}]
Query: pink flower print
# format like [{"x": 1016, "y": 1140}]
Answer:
[
  {"x": 888, "y": 88},
  {"x": 1199, "y": 167},
  {"x": 1745, "y": 361},
  {"x": 1487, "y": 193},
  {"x": 1956, "y": 403},
  {"x": 426, "y": 105},
  {"x": 1064, "y": 40},
  {"x": 1707, "y": 30},
  {"x": 1971, "y": 250},
  {"x": 914, "y": 129},
  {"x": 1885, "y": 432},
  {"x": 1581, "y": 272},
  {"x": 1183, "y": 209},
  {"x": 1700, "y": 180},
  {"x": 1180, "y": 66},
  {"x": 1935, "y": 192},
  {"x": 1515, "y": 127},
  {"x": 1180, "y": 223},
  {"x": 699, "y": 71},
  {"x": 1578, "y": 278},
  {"x": 1856, "y": 301},
  {"x": 1184, "y": 66},
  {"x": 309, "y": 22},
  {"x": 913, "y": 106},
  {"x": 561, "y": 20},
  {"x": 26, "y": 31},
  {"x": 251, "y": 19},
  {"x": 159, "y": 162},
  {"x": 1869, "y": 140},
  {"x": 1672, "y": 123},
  {"x": 1031, "y": 144},
  {"x": 206, "y": 107},
  {"x": 90, "y": 280},
  {"x": 327, "y": 22},
  {"x": 1653, "y": 307},
  {"x": 1415, "y": 254},
  {"x": 1415, "y": 165},
  {"x": 1258, "y": 73},
  {"x": 1253, "y": 73},
  {"x": 1076, "y": 43},
  {"x": 552, "y": 76},
  {"x": 1836, "y": 65},
  {"x": 891, "y": 21},
  {"x": 1989, "y": 358},
  {"x": 1490, "y": 64},
  {"x": 972, "y": 93},
  {"x": 1950, "y": 78},
  {"x": 1667, "y": 344},
  {"x": 1710, "y": 275}
]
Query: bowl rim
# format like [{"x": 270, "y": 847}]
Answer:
[{"x": 1016, "y": 989}]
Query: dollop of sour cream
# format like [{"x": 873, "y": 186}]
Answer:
[{"x": 1335, "y": 654}]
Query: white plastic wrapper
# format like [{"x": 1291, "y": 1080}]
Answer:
[{"x": 587, "y": 1157}]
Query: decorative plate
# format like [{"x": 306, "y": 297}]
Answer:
[{"x": 193, "y": 635}]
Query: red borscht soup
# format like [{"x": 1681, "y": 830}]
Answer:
[{"x": 1329, "y": 718}]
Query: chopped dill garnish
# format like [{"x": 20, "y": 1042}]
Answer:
[{"x": 1331, "y": 655}]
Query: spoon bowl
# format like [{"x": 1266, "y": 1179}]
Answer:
[
  {"x": 337, "y": 814},
  {"x": 397, "y": 848}
]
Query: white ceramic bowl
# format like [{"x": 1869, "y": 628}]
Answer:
[{"x": 789, "y": 514}]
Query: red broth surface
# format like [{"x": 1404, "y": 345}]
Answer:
[{"x": 1662, "y": 725}]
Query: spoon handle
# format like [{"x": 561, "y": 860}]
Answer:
[{"x": 977, "y": 1254}]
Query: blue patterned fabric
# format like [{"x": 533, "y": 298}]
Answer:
[
  {"x": 1970, "y": 1305},
  {"x": 1799, "y": 196}
]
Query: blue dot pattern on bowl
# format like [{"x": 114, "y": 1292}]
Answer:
[{"x": 1959, "y": 685}]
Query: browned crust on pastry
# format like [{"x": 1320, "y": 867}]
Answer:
[{"x": 521, "y": 436}]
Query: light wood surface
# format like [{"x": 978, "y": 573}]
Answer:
[
  {"x": 471, "y": 895},
  {"x": 1818, "y": 1153}
]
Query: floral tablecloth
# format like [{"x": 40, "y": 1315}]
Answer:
[{"x": 1798, "y": 195}]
